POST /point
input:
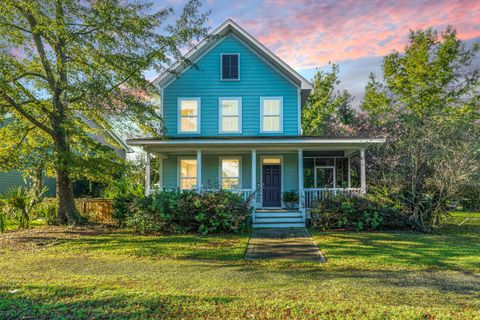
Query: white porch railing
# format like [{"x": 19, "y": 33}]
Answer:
[{"x": 312, "y": 195}]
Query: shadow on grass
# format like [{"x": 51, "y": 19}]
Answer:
[{"x": 66, "y": 302}]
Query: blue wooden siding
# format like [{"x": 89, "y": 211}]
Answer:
[
  {"x": 14, "y": 179},
  {"x": 257, "y": 79},
  {"x": 210, "y": 170}
]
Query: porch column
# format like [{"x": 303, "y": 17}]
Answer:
[
  {"x": 254, "y": 176},
  {"x": 349, "y": 169},
  {"x": 199, "y": 170},
  {"x": 363, "y": 181},
  {"x": 147, "y": 173},
  {"x": 160, "y": 174},
  {"x": 300, "y": 178}
]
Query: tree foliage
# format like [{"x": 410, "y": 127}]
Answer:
[
  {"x": 327, "y": 111},
  {"x": 64, "y": 61},
  {"x": 428, "y": 105}
]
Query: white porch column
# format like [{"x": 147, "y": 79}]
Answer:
[
  {"x": 147, "y": 174},
  {"x": 349, "y": 169},
  {"x": 363, "y": 180},
  {"x": 199, "y": 170},
  {"x": 300, "y": 178},
  {"x": 160, "y": 174},
  {"x": 254, "y": 175}
]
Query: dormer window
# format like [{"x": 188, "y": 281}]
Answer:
[{"x": 230, "y": 66}]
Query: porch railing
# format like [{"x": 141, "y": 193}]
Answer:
[{"x": 312, "y": 195}]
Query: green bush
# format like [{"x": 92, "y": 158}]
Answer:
[
  {"x": 290, "y": 198},
  {"x": 47, "y": 210},
  {"x": 356, "y": 213},
  {"x": 181, "y": 212}
]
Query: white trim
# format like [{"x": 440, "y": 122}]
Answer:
[
  {"x": 147, "y": 174},
  {"x": 253, "y": 167},
  {"x": 199, "y": 170},
  {"x": 299, "y": 112},
  {"x": 262, "y": 99},
  {"x": 198, "y": 116},
  {"x": 223, "y": 29},
  {"x": 363, "y": 172},
  {"x": 239, "y": 115},
  {"x": 249, "y": 47},
  {"x": 240, "y": 173},
  {"x": 179, "y": 173},
  {"x": 146, "y": 142},
  {"x": 282, "y": 205},
  {"x": 221, "y": 65}
]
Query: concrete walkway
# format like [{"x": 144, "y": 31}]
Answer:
[{"x": 289, "y": 244}]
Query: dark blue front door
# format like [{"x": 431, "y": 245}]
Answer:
[{"x": 272, "y": 186}]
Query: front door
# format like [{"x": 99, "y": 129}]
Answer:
[{"x": 272, "y": 189}]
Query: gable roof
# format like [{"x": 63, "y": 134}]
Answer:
[{"x": 229, "y": 26}]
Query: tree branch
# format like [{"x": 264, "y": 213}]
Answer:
[{"x": 29, "y": 117}]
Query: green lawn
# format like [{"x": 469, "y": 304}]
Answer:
[{"x": 58, "y": 273}]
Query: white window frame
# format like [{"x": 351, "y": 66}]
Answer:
[
  {"x": 262, "y": 99},
  {"x": 220, "y": 175},
  {"x": 221, "y": 65},
  {"x": 179, "y": 172},
  {"x": 179, "y": 116},
  {"x": 220, "y": 115}
]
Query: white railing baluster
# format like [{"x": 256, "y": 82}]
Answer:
[{"x": 311, "y": 195}]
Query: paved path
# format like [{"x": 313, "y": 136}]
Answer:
[{"x": 290, "y": 244}]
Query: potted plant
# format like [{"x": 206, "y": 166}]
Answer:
[{"x": 290, "y": 198}]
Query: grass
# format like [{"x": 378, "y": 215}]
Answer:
[
  {"x": 71, "y": 273},
  {"x": 13, "y": 224}
]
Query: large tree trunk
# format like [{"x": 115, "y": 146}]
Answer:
[{"x": 67, "y": 213}]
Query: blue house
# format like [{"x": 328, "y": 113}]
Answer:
[{"x": 233, "y": 122}]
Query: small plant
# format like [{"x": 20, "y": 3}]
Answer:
[
  {"x": 48, "y": 211},
  {"x": 3, "y": 222},
  {"x": 18, "y": 203},
  {"x": 290, "y": 198}
]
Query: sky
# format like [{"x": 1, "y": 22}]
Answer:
[{"x": 307, "y": 34}]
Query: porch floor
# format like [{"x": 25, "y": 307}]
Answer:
[{"x": 287, "y": 243}]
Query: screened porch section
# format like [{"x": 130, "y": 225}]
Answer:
[{"x": 326, "y": 174}]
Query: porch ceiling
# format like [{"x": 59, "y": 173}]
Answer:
[{"x": 238, "y": 144}]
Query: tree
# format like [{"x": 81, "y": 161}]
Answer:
[
  {"x": 63, "y": 61},
  {"x": 428, "y": 106},
  {"x": 327, "y": 111}
]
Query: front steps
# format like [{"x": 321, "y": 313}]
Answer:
[{"x": 278, "y": 219}]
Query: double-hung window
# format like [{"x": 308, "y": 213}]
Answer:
[
  {"x": 230, "y": 173},
  {"x": 230, "y": 115},
  {"x": 230, "y": 69},
  {"x": 271, "y": 117},
  {"x": 188, "y": 174},
  {"x": 189, "y": 115}
]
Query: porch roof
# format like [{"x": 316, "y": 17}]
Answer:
[{"x": 251, "y": 142}]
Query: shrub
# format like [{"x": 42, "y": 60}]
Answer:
[
  {"x": 18, "y": 203},
  {"x": 356, "y": 213},
  {"x": 180, "y": 212},
  {"x": 123, "y": 194},
  {"x": 47, "y": 210},
  {"x": 290, "y": 198}
]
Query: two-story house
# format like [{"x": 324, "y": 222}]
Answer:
[{"x": 233, "y": 122}]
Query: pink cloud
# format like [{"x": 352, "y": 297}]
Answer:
[{"x": 309, "y": 33}]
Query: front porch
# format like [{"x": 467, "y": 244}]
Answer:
[{"x": 314, "y": 168}]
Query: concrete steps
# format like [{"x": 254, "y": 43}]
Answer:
[{"x": 278, "y": 219}]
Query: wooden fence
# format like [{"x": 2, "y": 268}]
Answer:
[{"x": 99, "y": 210}]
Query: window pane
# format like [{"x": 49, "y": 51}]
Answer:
[
  {"x": 188, "y": 168},
  {"x": 230, "y": 124},
  {"x": 271, "y": 161},
  {"x": 230, "y": 183},
  {"x": 230, "y": 66},
  {"x": 324, "y": 178},
  {"x": 230, "y": 168},
  {"x": 188, "y": 183},
  {"x": 229, "y": 107},
  {"x": 271, "y": 123},
  {"x": 189, "y": 107},
  {"x": 271, "y": 107},
  {"x": 189, "y": 124}
]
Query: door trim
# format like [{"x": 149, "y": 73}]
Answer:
[{"x": 282, "y": 205}]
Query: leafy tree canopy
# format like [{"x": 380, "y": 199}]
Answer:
[{"x": 64, "y": 61}]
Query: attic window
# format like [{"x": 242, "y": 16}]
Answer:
[{"x": 230, "y": 66}]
